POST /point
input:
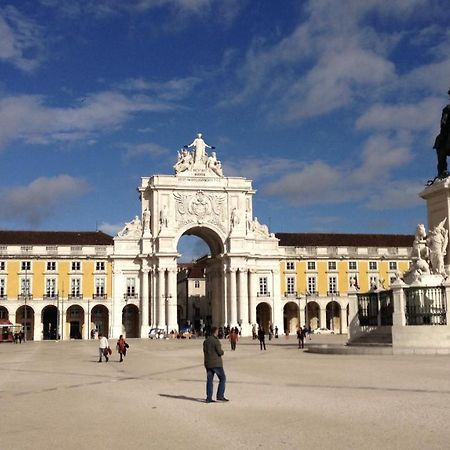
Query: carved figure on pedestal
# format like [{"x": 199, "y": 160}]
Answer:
[
  {"x": 214, "y": 164},
  {"x": 437, "y": 241},
  {"x": 442, "y": 143},
  {"x": 131, "y": 229},
  {"x": 259, "y": 228},
  {"x": 146, "y": 220},
  {"x": 199, "y": 148},
  {"x": 234, "y": 219},
  {"x": 420, "y": 249},
  {"x": 184, "y": 161},
  {"x": 163, "y": 217}
]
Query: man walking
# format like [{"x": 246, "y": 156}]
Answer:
[
  {"x": 103, "y": 346},
  {"x": 262, "y": 338},
  {"x": 301, "y": 337},
  {"x": 212, "y": 352}
]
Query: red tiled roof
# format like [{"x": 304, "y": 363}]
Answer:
[
  {"x": 344, "y": 240},
  {"x": 12, "y": 237}
]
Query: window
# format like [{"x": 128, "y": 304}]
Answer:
[
  {"x": 332, "y": 285},
  {"x": 76, "y": 265},
  {"x": 352, "y": 265},
  {"x": 51, "y": 266},
  {"x": 312, "y": 288},
  {"x": 197, "y": 284},
  {"x": 100, "y": 266},
  {"x": 25, "y": 286},
  {"x": 75, "y": 287},
  {"x": 373, "y": 265},
  {"x": 50, "y": 287},
  {"x": 311, "y": 265},
  {"x": 99, "y": 287},
  {"x": 373, "y": 282},
  {"x": 263, "y": 286},
  {"x": 392, "y": 265},
  {"x": 25, "y": 265},
  {"x": 290, "y": 285},
  {"x": 2, "y": 288},
  {"x": 290, "y": 265},
  {"x": 2, "y": 265},
  {"x": 131, "y": 287},
  {"x": 332, "y": 265}
]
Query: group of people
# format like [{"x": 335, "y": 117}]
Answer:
[
  {"x": 104, "y": 350},
  {"x": 18, "y": 337}
]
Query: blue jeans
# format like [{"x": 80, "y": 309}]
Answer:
[{"x": 209, "y": 382}]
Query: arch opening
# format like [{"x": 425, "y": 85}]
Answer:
[
  {"x": 100, "y": 319},
  {"x": 49, "y": 322},
  {"x": 130, "y": 321},
  {"x": 291, "y": 319}
]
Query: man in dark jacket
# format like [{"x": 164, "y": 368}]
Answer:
[{"x": 212, "y": 351}]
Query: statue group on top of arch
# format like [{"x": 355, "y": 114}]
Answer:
[
  {"x": 131, "y": 229},
  {"x": 198, "y": 159},
  {"x": 428, "y": 253}
]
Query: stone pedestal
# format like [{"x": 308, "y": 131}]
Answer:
[{"x": 437, "y": 197}]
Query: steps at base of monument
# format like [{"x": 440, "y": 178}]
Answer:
[{"x": 374, "y": 337}]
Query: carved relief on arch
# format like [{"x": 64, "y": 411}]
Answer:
[{"x": 199, "y": 208}]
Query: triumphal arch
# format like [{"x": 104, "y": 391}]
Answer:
[{"x": 198, "y": 199}]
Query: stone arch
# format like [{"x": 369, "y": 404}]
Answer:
[
  {"x": 210, "y": 234},
  {"x": 312, "y": 315},
  {"x": 130, "y": 321},
  {"x": 264, "y": 315},
  {"x": 25, "y": 316},
  {"x": 333, "y": 316},
  {"x": 49, "y": 316},
  {"x": 74, "y": 322},
  {"x": 291, "y": 320},
  {"x": 100, "y": 319},
  {"x": 4, "y": 313}
]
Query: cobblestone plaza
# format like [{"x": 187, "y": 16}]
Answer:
[{"x": 56, "y": 395}]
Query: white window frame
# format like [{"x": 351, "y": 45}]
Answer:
[
  {"x": 391, "y": 264},
  {"x": 333, "y": 284},
  {"x": 373, "y": 263},
  {"x": 100, "y": 286},
  {"x": 311, "y": 281},
  {"x": 49, "y": 265},
  {"x": 3, "y": 287},
  {"x": 25, "y": 266},
  {"x": 2, "y": 266},
  {"x": 313, "y": 264},
  {"x": 26, "y": 281},
  {"x": 79, "y": 289},
  {"x": 290, "y": 265},
  {"x": 290, "y": 285},
  {"x": 373, "y": 280},
  {"x": 51, "y": 291},
  {"x": 330, "y": 266},
  {"x": 100, "y": 266},
  {"x": 263, "y": 286},
  {"x": 75, "y": 266},
  {"x": 353, "y": 268}
]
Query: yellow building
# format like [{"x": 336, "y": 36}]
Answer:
[{"x": 57, "y": 283}]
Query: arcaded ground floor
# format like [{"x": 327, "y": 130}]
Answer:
[{"x": 56, "y": 395}]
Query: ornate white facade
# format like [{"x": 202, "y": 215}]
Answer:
[{"x": 197, "y": 200}]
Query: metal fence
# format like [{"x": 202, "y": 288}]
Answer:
[
  {"x": 375, "y": 308},
  {"x": 425, "y": 306}
]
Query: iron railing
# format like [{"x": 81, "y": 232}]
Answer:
[
  {"x": 375, "y": 308},
  {"x": 425, "y": 306}
]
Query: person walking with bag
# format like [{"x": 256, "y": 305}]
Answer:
[
  {"x": 262, "y": 338},
  {"x": 212, "y": 352},
  {"x": 233, "y": 337},
  {"x": 103, "y": 348},
  {"x": 122, "y": 347}
]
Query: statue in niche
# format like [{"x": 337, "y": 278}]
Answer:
[
  {"x": 234, "y": 219},
  {"x": 146, "y": 219},
  {"x": 442, "y": 143},
  {"x": 437, "y": 241},
  {"x": 199, "y": 148},
  {"x": 163, "y": 217},
  {"x": 184, "y": 161}
]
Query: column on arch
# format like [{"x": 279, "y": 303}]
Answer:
[
  {"x": 323, "y": 316},
  {"x": 85, "y": 334},
  {"x": 344, "y": 328},
  {"x": 277, "y": 313},
  {"x": 161, "y": 297},
  {"x": 215, "y": 292},
  {"x": 38, "y": 326},
  {"x": 232, "y": 297},
  {"x": 172, "y": 322},
  {"x": 144, "y": 302},
  {"x": 153, "y": 297},
  {"x": 243, "y": 297}
]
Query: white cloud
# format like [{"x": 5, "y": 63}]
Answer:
[
  {"x": 35, "y": 202},
  {"x": 111, "y": 228},
  {"x": 28, "y": 118},
  {"x": 148, "y": 148},
  {"x": 21, "y": 42}
]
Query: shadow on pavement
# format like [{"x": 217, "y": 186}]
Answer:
[{"x": 183, "y": 397}]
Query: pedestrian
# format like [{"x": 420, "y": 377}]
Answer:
[
  {"x": 103, "y": 348},
  {"x": 254, "y": 332},
  {"x": 262, "y": 338},
  {"x": 233, "y": 337},
  {"x": 270, "y": 332},
  {"x": 276, "y": 332},
  {"x": 301, "y": 337},
  {"x": 212, "y": 352},
  {"x": 122, "y": 347}
]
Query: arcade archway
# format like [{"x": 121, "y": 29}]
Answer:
[
  {"x": 291, "y": 320},
  {"x": 312, "y": 315},
  {"x": 4, "y": 314},
  {"x": 264, "y": 315},
  {"x": 25, "y": 316},
  {"x": 130, "y": 321},
  {"x": 74, "y": 322},
  {"x": 50, "y": 322},
  {"x": 100, "y": 319},
  {"x": 333, "y": 319}
]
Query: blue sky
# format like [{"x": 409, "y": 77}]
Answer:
[{"x": 330, "y": 107}]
